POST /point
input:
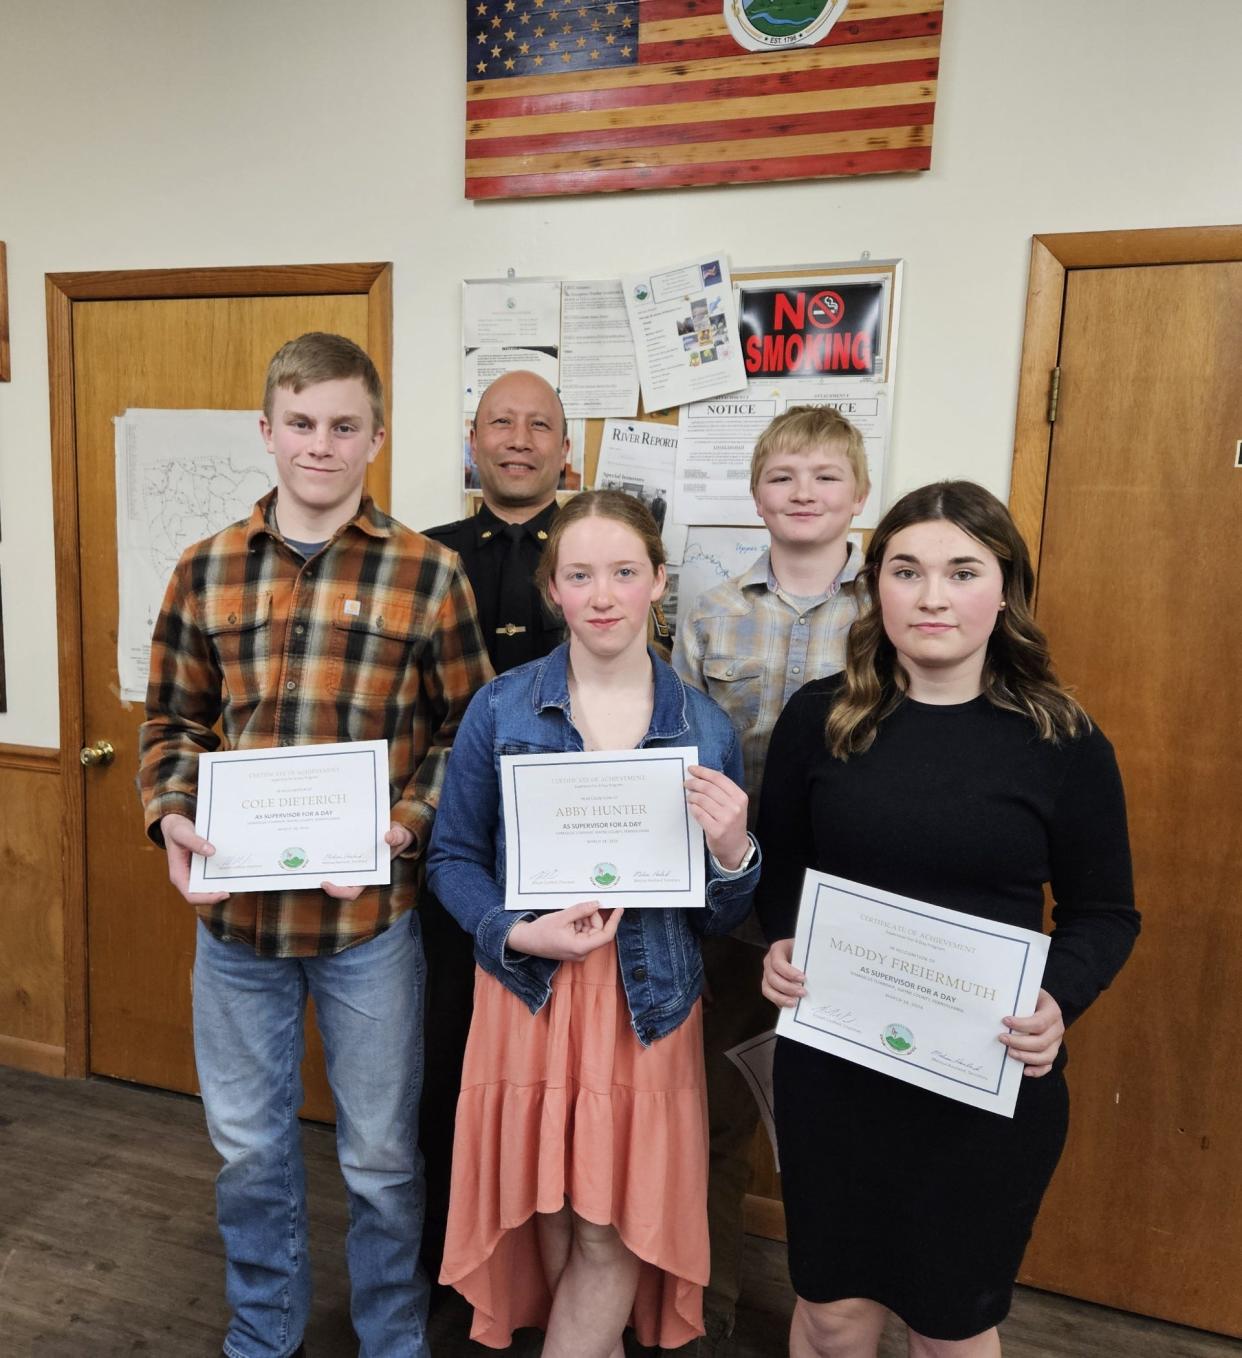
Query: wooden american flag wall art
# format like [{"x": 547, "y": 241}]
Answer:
[{"x": 644, "y": 94}]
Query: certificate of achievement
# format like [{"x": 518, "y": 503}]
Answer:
[
  {"x": 293, "y": 817},
  {"x": 611, "y": 826},
  {"x": 913, "y": 990}
]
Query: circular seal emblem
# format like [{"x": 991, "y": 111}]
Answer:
[
  {"x": 898, "y": 1038},
  {"x": 605, "y": 874},
  {"x": 641, "y": 292},
  {"x": 293, "y": 858},
  {"x": 826, "y": 309},
  {"x": 761, "y": 25}
]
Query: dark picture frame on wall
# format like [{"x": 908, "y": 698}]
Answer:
[
  {"x": 6, "y": 370},
  {"x": 4, "y": 694},
  {"x": 5, "y": 376}
]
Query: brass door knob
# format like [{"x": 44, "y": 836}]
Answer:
[{"x": 101, "y": 752}]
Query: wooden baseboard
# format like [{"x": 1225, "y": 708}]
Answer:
[
  {"x": 37, "y": 1057},
  {"x": 764, "y": 1217}
]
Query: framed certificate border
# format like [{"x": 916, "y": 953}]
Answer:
[
  {"x": 998, "y": 1090},
  {"x": 373, "y": 754},
  {"x": 688, "y": 888}
]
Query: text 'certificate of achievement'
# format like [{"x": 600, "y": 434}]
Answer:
[
  {"x": 611, "y": 826},
  {"x": 913, "y": 990},
  {"x": 293, "y": 817}
]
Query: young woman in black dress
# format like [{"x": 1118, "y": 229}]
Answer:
[{"x": 948, "y": 764}]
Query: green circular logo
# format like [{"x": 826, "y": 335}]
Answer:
[
  {"x": 293, "y": 858},
  {"x": 605, "y": 874},
  {"x": 760, "y": 25},
  {"x": 898, "y": 1038}
]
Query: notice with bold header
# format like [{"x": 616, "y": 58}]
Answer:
[
  {"x": 716, "y": 439},
  {"x": 638, "y": 457},
  {"x": 913, "y": 990}
]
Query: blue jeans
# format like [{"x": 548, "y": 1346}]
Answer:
[{"x": 248, "y": 1042}]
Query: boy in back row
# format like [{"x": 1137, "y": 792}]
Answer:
[
  {"x": 751, "y": 643},
  {"x": 317, "y": 619}
]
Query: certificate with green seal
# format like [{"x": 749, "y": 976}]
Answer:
[
  {"x": 292, "y": 817},
  {"x": 913, "y": 990},
  {"x": 605, "y": 825}
]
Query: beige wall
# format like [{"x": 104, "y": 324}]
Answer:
[{"x": 146, "y": 133}]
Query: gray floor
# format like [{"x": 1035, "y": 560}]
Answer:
[{"x": 108, "y": 1246}]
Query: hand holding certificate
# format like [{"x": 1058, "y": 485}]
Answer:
[
  {"x": 913, "y": 990},
  {"x": 294, "y": 817},
  {"x": 607, "y": 825}
]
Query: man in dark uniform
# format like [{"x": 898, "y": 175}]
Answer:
[{"x": 519, "y": 441}]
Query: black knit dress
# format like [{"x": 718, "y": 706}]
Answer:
[{"x": 895, "y": 1193}]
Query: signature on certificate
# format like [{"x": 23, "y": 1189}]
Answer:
[
  {"x": 835, "y": 1013},
  {"x": 956, "y": 1062}
]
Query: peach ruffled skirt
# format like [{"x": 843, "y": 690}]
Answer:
[{"x": 568, "y": 1104}]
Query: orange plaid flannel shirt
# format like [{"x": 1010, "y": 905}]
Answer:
[{"x": 374, "y": 638}]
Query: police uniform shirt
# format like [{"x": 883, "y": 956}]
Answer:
[{"x": 500, "y": 560}]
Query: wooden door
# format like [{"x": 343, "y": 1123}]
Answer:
[
  {"x": 1140, "y": 593},
  {"x": 198, "y": 352}
]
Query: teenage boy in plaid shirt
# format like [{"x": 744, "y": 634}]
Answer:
[
  {"x": 751, "y": 643},
  {"x": 317, "y": 619}
]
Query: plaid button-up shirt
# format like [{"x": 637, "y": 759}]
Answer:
[
  {"x": 751, "y": 646},
  {"x": 374, "y": 638}
]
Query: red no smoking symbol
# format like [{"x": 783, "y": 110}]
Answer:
[{"x": 825, "y": 310}]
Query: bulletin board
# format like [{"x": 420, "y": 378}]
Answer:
[
  {"x": 810, "y": 334},
  {"x": 821, "y": 277},
  {"x": 812, "y": 280}
]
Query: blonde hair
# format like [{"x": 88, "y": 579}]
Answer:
[
  {"x": 597, "y": 504},
  {"x": 802, "y": 428},
  {"x": 1017, "y": 670},
  {"x": 320, "y": 357}
]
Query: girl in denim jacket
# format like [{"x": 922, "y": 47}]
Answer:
[{"x": 580, "y": 1171}]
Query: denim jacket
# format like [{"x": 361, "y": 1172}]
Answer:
[{"x": 526, "y": 710}]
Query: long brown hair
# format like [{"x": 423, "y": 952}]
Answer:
[
  {"x": 598, "y": 504},
  {"x": 1017, "y": 671}
]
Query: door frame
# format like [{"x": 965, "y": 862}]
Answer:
[
  {"x": 1053, "y": 257},
  {"x": 62, "y": 291}
]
